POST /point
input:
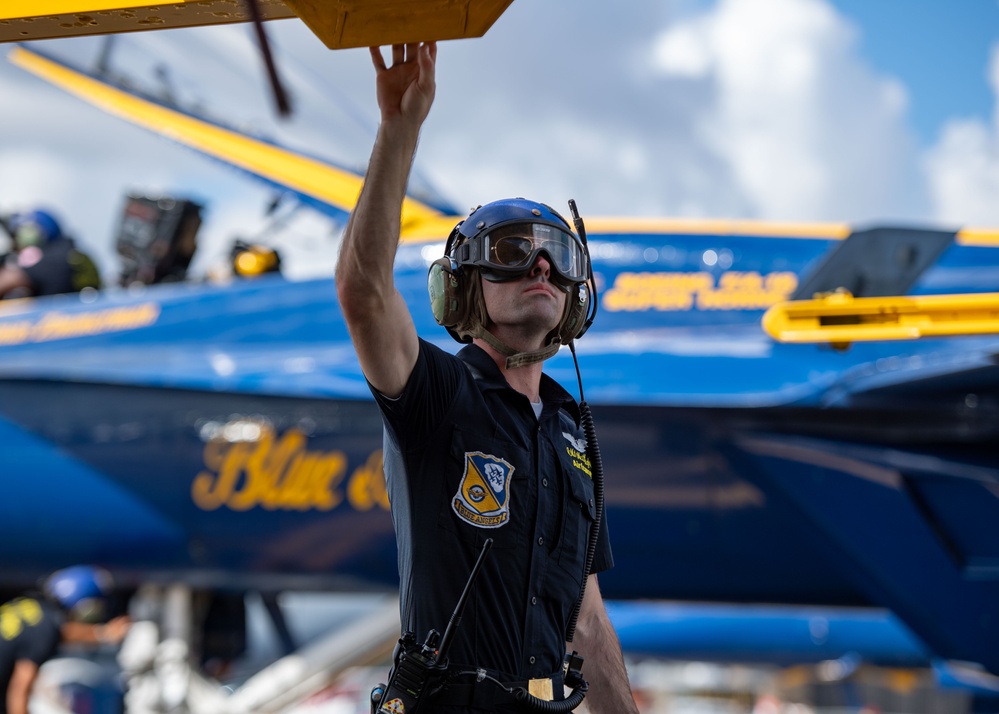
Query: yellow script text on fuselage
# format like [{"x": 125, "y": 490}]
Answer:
[
  {"x": 678, "y": 292},
  {"x": 63, "y": 326},
  {"x": 283, "y": 474}
]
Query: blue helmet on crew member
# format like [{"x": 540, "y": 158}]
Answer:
[
  {"x": 501, "y": 241},
  {"x": 81, "y": 590},
  {"x": 36, "y": 227}
]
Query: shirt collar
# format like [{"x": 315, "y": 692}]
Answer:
[{"x": 489, "y": 375}]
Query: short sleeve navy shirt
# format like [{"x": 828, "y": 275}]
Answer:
[
  {"x": 29, "y": 630},
  {"x": 466, "y": 459},
  {"x": 52, "y": 274}
]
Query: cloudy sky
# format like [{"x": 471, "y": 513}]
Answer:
[{"x": 793, "y": 110}]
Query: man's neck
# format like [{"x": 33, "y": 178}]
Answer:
[{"x": 526, "y": 379}]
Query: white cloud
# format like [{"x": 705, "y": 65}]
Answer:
[
  {"x": 804, "y": 128},
  {"x": 682, "y": 51},
  {"x": 962, "y": 169}
]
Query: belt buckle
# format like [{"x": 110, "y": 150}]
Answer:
[{"x": 541, "y": 688}]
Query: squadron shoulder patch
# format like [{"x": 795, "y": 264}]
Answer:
[{"x": 483, "y": 497}]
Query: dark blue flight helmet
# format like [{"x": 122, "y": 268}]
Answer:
[
  {"x": 501, "y": 241},
  {"x": 82, "y": 590},
  {"x": 36, "y": 227}
]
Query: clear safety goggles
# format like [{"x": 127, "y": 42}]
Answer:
[
  {"x": 508, "y": 252},
  {"x": 28, "y": 234},
  {"x": 90, "y": 610}
]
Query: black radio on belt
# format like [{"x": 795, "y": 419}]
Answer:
[{"x": 418, "y": 669}]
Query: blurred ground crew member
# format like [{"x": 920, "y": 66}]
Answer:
[
  {"x": 44, "y": 261},
  {"x": 69, "y": 609},
  {"x": 481, "y": 445}
]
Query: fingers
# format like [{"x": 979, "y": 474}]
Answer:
[
  {"x": 376, "y": 58},
  {"x": 428, "y": 58},
  {"x": 402, "y": 54}
]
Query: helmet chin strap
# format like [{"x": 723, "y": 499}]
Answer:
[
  {"x": 514, "y": 358},
  {"x": 474, "y": 327}
]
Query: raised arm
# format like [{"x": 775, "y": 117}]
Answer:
[{"x": 377, "y": 317}]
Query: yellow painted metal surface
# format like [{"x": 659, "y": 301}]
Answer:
[
  {"x": 338, "y": 23},
  {"x": 840, "y": 318},
  {"x": 23, "y": 20},
  {"x": 366, "y": 23}
]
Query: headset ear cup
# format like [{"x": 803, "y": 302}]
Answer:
[
  {"x": 576, "y": 310},
  {"x": 444, "y": 286}
]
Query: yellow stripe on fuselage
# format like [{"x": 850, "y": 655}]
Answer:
[
  {"x": 298, "y": 173},
  {"x": 978, "y": 237},
  {"x": 763, "y": 229},
  {"x": 438, "y": 228}
]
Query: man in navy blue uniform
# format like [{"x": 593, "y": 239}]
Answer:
[{"x": 481, "y": 445}]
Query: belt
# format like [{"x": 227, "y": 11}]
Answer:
[{"x": 488, "y": 692}]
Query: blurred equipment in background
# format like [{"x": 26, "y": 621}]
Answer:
[
  {"x": 222, "y": 631},
  {"x": 157, "y": 239},
  {"x": 250, "y": 260}
]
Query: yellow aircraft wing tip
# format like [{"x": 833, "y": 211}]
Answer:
[{"x": 841, "y": 318}]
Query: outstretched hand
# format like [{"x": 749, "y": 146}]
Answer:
[
  {"x": 406, "y": 89},
  {"x": 114, "y": 631}
]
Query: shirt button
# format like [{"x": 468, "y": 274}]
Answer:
[
  {"x": 591, "y": 503},
  {"x": 544, "y": 482},
  {"x": 531, "y": 660},
  {"x": 541, "y": 541},
  {"x": 534, "y": 601}
]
